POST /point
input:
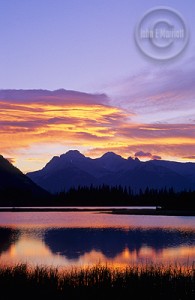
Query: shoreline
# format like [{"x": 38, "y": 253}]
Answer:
[
  {"x": 120, "y": 211},
  {"x": 154, "y": 212}
]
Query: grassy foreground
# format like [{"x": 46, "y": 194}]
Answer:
[{"x": 98, "y": 282}]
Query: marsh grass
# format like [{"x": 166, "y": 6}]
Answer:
[{"x": 98, "y": 282}]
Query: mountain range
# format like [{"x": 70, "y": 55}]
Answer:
[{"x": 73, "y": 169}]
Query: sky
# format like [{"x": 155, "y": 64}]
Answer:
[{"x": 73, "y": 77}]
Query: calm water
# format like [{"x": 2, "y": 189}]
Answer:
[{"x": 85, "y": 238}]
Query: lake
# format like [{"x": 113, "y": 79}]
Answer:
[{"x": 74, "y": 239}]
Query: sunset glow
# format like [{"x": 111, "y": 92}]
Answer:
[
  {"x": 39, "y": 253},
  {"x": 97, "y": 149},
  {"x": 80, "y": 82},
  {"x": 94, "y": 129}
]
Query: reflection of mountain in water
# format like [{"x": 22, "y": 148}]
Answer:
[
  {"x": 73, "y": 242},
  {"x": 7, "y": 238}
]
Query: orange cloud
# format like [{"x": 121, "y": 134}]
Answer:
[
  {"x": 85, "y": 122},
  {"x": 189, "y": 157},
  {"x": 37, "y": 122}
]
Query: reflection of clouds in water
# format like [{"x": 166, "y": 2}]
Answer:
[
  {"x": 84, "y": 247},
  {"x": 127, "y": 257},
  {"x": 35, "y": 251},
  {"x": 86, "y": 238},
  {"x": 7, "y": 238}
]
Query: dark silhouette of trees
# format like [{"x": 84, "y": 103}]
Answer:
[
  {"x": 103, "y": 195},
  {"x": 124, "y": 196}
]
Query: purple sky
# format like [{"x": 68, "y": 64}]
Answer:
[
  {"x": 73, "y": 44},
  {"x": 144, "y": 106}
]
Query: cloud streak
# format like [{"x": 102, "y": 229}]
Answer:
[
  {"x": 88, "y": 122},
  {"x": 147, "y": 155},
  {"x": 161, "y": 94}
]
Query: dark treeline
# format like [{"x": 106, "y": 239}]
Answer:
[
  {"x": 24, "y": 197},
  {"x": 122, "y": 196},
  {"x": 103, "y": 196}
]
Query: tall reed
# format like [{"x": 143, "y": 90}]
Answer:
[{"x": 146, "y": 281}]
